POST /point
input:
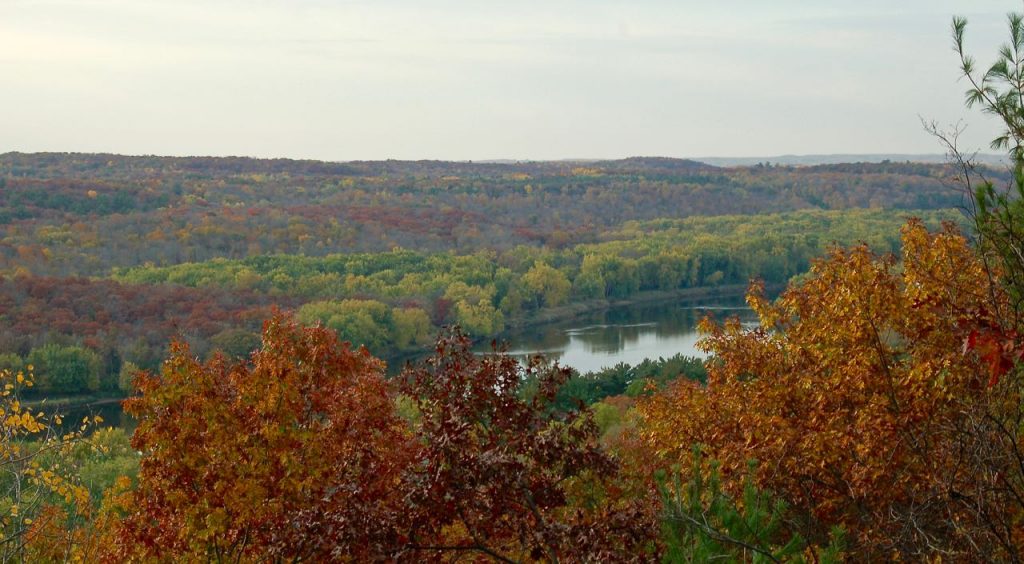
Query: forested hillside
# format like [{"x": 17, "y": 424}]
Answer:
[
  {"x": 68, "y": 214},
  {"x": 118, "y": 255},
  {"x": 304, "y": 361}
]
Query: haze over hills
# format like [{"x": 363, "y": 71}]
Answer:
[
  {"x": 235, "y": 162},
  {"x": 811, "y": 160},
  {"x": 787, "y": 160}
]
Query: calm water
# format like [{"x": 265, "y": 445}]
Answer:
[
  {"x": 111, "y": 412},
  {"x": 625, "y": 334}
]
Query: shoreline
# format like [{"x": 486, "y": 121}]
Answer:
[
  {"x": 72, "y": 402},
  {"x": 570, "y": 311},
  {"x": 542, "y": 317}
]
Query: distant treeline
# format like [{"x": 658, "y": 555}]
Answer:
[{"x": 68, "y": 214}]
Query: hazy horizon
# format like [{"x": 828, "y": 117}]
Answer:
[
  {"x": 453, "y": 80},
  {"x": 798, "y": 160}
]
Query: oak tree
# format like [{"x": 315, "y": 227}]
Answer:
[{"x": 294, "y": 453}]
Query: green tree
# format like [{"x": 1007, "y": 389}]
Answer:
[
  {"x": 474, "y": 308},
  {"x": 360, "y": 322},
  {"x": 412, "y": 327},
  {"x": 997, "y": 212},
  {"x": 129, "y": 371},
  {"x": 547, "y": 286},
  {"x": 621, "y": 275},
  {"x": 236, "y": 343},
  {"x": 701, "y": 523},
  {"x": 65, "y": 370},
  {"x": 589, "y": 283},
  {"x": 512, "y": 303},
  {"x": 11, "y": 362},
  {"x": 480, "y": 319}
]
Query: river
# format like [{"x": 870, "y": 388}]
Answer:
[
  {"x": 626, "y": 334},
  {"x": 589, "y": 342}
]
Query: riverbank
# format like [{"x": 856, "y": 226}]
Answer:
[
  {"x": 66, "y": 403},
  {"x": 576, "y": 309},
  {"x": 558, "y": 314}
]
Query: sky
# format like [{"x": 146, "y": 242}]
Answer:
[{"x": 487, "y": 79}]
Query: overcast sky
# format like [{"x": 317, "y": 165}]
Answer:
[{"x": 486, "y": 79}]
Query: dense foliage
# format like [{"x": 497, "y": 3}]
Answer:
[
  {"x": 398, "y": 299},
  {"x": 121, "y": 255},
  {"x": 52, "y": 479},
  {"x": 293, "y": 454},
  {"x": 327, "y": 471},
  {"x": 883, "y": 427},
  {"x": 877, "y": 412},
  {"x": 497, "y": 474},
  {"x": 72, "y": 214},
  {"x": 624, "y": 379},
  {"x": 703, "y": 523},
  {"x": 858, "y": 398}
]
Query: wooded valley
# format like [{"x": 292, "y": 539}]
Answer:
[
  {"x": 120, "y": 255},
  {"x": 243, "y": 313}
]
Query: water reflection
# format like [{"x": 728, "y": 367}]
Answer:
[
  {"x": 109, "y": 410},
  {"x": 626, "y": 334}
]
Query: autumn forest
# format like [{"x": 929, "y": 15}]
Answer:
[{"x": 297, "y": 349}]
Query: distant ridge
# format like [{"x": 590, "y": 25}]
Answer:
[
  {"x": 810, "y": 160},
  {"x": 659, "y": 163},
  {"x": 236, "y": 164}
]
